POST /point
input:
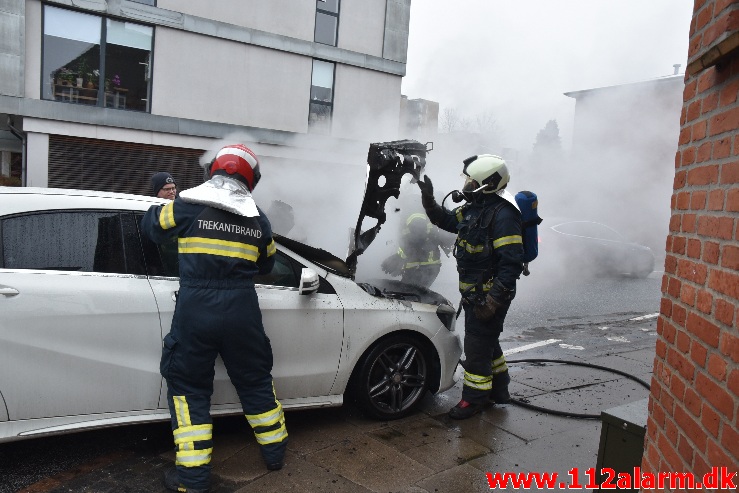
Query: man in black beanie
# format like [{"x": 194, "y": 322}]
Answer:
[{"x": 163, "y": 186}]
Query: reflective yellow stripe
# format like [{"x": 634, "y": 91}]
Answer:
[
  {"x": 499, "y": 365},
  {"x": 183, "y": 410},
  {"x": 274, "y": 436},
  {"x": 471, "y": 288},
  {"x": 166, "y": 216},
  {"x": 193, "y": 458},
  {"x": 471, "y": 248},
  {"x": 411, "y": 265},
  {"x": 507, "y": 240},
  {"x": 401, "y": 253},
  {"x": 271, "y": 248},
  {"x": 459, "y": 215},
  {"x": 431, "y": 261},
  {"x": 194, "y": 433},
  {"x": 223, "y": 248},
  {"x": 412, "y": 217},
  {"x": 266, "y": 419},
  {"x": 478, "y": 382}
]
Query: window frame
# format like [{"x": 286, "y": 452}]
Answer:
[
  {"x": 330, "y": 14},
  {"x": 130, "y": 245},
  {"x": 101, "y": 96},
  {"x": 327, "y": 104}
]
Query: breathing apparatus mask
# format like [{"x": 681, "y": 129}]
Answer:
[{"x": 470, "y": 188}]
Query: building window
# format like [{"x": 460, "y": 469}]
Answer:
[
  {"x": 327, "y": 22},
  {"x": 321, "y": 97},
  {"x": 96, "y": 61}
]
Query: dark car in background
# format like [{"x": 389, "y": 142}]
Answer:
[{"x": 590, "y": 248}]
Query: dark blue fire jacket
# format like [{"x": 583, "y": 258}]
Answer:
[
  {"x": 488, "y": 249},
  {"x": 220, "y": 240}
]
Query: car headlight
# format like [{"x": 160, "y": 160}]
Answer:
[{"x": 447, "y": 315}]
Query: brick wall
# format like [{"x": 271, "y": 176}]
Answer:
[{"x": 693, "y": 406}]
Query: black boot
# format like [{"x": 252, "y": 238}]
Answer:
[
  {"x": 274, "y": 455},
  {"x": 499, "y": 394},
  {"x": 172, "y": 482},
  {"x": 464, "y": 410}
]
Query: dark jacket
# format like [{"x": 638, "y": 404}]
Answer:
[
  {"x": 488, "y": 249},
  {"x": 227, "y": 246}
]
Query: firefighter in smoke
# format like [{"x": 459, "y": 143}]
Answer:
[
  {"x": 418, "y": 259},
  {"x": 489, "y": 253},
  {"x": 224, "y": 240}
]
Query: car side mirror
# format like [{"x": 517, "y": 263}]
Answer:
[{"x": 309, "y": 282}]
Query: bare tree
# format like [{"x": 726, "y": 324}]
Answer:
[
  {"x": 449, "y": 120},
  {"x": 485, "y": 124},
  {"x": 465, "y": 124}
]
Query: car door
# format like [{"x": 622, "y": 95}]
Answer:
[
  {"x": 305, "y": 330},
  {"x": 79, "y": 330}
]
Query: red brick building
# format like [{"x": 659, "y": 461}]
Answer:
[{"x": 694, "y": 401}]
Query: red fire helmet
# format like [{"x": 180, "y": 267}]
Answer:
[{"x": 239, "y": 160}]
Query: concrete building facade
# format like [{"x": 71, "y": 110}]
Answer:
[
  {"x": 100, "y": 94},
  {"x": 624, "y": 136},
  {"x": 694, "y": 401}
]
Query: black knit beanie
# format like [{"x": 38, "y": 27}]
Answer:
[{"x": 159, "y": 180}]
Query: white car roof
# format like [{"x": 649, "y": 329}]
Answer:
[{"x": 24, "y": 199}]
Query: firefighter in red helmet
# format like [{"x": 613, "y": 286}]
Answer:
[{"x": 224, "y": 239}]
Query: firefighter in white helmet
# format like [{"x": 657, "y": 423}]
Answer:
[{"x": 489, "y": 253}]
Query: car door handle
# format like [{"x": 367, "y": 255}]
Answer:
[{"x": 8, "y": 291}]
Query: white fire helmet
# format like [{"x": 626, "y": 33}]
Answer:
[{"x": 487, "y": 169}]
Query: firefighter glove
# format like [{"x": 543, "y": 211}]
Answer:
[
  {"x": 484, "y": 311},
  {"x": 393, "y": 265},
  {"x": 427, "y": 192}
]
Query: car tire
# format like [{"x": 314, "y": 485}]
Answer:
[{"x": 392, "y": 378}]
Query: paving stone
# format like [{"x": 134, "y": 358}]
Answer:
[
  {"x": 487, "y": 434},
  {"x": 459, "y": 479},
  {"x": 370, "y": 463},
  {"x": 245, "y": 465},
  {"x": 300, "y": 474},
  {"x": 561, "y": 452},
  {"x": 314, "y": 430},
  {"x": 406, "y": 436},
  {"x": 528, "y": 425}
]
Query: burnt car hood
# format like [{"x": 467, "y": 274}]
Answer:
[{"x": 387, "y": 162}]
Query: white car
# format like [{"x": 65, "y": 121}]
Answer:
[{"x": 85, "y": 301}]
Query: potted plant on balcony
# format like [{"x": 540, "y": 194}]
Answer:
[
  {"x": 82, "y": 71},
  {"x": 113, "y": 82},
  {"x": 65, "y": 77},
  {"x": 92, "y": 79}
]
